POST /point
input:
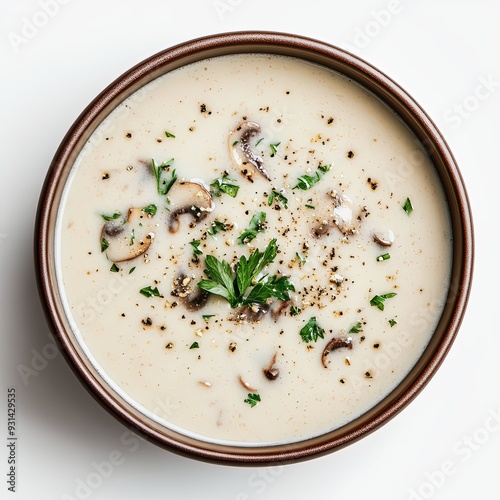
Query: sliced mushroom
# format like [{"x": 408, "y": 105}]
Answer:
[
  {"x": 246, "y": 385},
  {"x": 252, "y": 314},
  {"x": 340, "y": 214},
  {"x": 130, "y": 239},
  {"x": 272, "y": 371},
  {"x": 384, "y": 239},
  {"x": 190, "y": 296},
  {"x": 242, "y": 153},
  {"x": 188, "y": 198},
  {"x": 335, "y": 344},
  {"x": 279, "y": 307}
]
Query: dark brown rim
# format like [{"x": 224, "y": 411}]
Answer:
[{"x": 352, "y": 67}]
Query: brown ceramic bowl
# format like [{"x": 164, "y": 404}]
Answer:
[{"x": 357, "y": 70}]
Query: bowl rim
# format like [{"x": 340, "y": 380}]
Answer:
[{"x": 280, "y": 44}]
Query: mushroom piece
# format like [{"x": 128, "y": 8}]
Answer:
[
  {"x": 272, "y": 371},
  {"x": 241, "y": 151},
  {"x": 384, "y": 239},
  {"x": 192, "y": 300},
  {"x": 130, "y": 239},
  {"x": 252, "y": 314},
  {"x": 191, "y": 198},
  {"x": 335, "y": 344},
  {"x": 340, "y": 214}
]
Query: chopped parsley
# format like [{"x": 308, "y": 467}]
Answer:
[
  {"x": 163, "y": 185},
  {"x": 132, "y": 270},
  {"x": 223, "y": 185},
  {"x": 279, "y": 196},
  {"x": 252, "y": 399},
  {"x": 305, "y": 182},
  {"x": 132, "y": 237},
  {"x": 379, "y": 300},
  {"x": 295, "y": 311},
  {"x": 392, "y": 322},
  {"x": 150, "y": 209},
  {"x": 357, "y": 328},
  {"x": 384, "y": 256},
  {"x": 150, "y": 292},
  {"x": 114, "y": 268},
  {"x": 217, "y": 227},
  {"x": 108, "y": 218},
  {"x": 247, "y": 270},
  {"x": 257, "y": 225},
  {"x": 274, "y": 148},
  {"x": 301, "y": 259},
  {"x": 206, "y": 317},
  {"x": 196, "y": 247},
  {"x": 312, "y": 331},
  {"x": 169, "y": 134},
  {"x": 195, "y": 345},
  {"x": 259, "y": 141},
  {"x": 104, "y": 244},
  {"x": 408, "y": 207}
]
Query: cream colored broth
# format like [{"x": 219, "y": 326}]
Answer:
[{"x": 319, "y": 118}]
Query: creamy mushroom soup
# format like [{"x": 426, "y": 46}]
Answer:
[{"x": 253, "y": 249}]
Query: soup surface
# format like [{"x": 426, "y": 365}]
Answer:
[{"x": 253, "y": 249}]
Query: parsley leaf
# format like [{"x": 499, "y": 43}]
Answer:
[
  {"x": 222, "y": 185},
  {"x": 305, "y": 182},
  {"x": 114, "y": 268},
  {"x": 252, "y": 399},
  {"x": 233, "y": 288},
  {"x": 196, "y": 247},
  {"x": 115, "y": 216},
  {"x": 274, "y": 148},
  {"x": 150, "y": 209},
  {"x": 357, "y": 328},
  {"x": 150, "y": 292},
  {"x": 168, "y": 134},
  {"x": 104, "y": 244},
  {"x": 392, "y": 322},
  {"x": 163, "y": 185},
  {"x": 257, "y": 225},
  {"x": 384, "y": 256},
  {"x": 312, "y": 331},
  {"x": 195, "y": 345},
  {"x": 279, "y": 196},
  {"x": 217, "y": 227},
  {"x": 408, "y": 207},
  {"x": 379, "y": 300}
]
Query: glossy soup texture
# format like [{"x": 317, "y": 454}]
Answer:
[{"x": 311, "y": 217}]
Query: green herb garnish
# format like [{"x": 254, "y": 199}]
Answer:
[
  {"x": 132, "y": 237},
  {"x": 163, "y": 185},
  {"x": 312, "y": 331},
  {"x": 408, "y": 207},
  {"x": 206, "y": 317},
  {"x": 132, "y": 270},
  {"x": 301, "y": 259},
  {"x": 223, "y": 185},
  {"x": 259, "y": 141},
  {"x": 196, "y": 247},
  {"x": 295, "y": 311},
  {"x": 312, "y": 207},
  {"x": 235, "y": 143},
  {"x": 150, "y": 292},
  {"x": 274, "y": 148},
  {"x": 234, "y": 288},
  {"x": 379, "y": 300},
  {"x": 384, "y": 256},
  {"x": 257, "y": 225},
  {"x": 357, "y": 328},
  {"x": 168, "y": 134},
  {"x": 392, "y": 322},
  {"x": 104, "y": 244},
  {"x": 115, "y": 216},
  {"x": 150, "y": 209},
  {"x": 114, "y": 268},
  {"x": 305, "y": 182},
  {"x": 217, "y": 227},
  {"x": 195, "y": 345},
  {"x": 252, "y": 399},
  {"x": 279, "y": 196}
]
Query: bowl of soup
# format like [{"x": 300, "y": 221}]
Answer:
[{"x": 254, "y": 247}]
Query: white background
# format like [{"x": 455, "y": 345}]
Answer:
[{"x": 446, "y": 53}]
